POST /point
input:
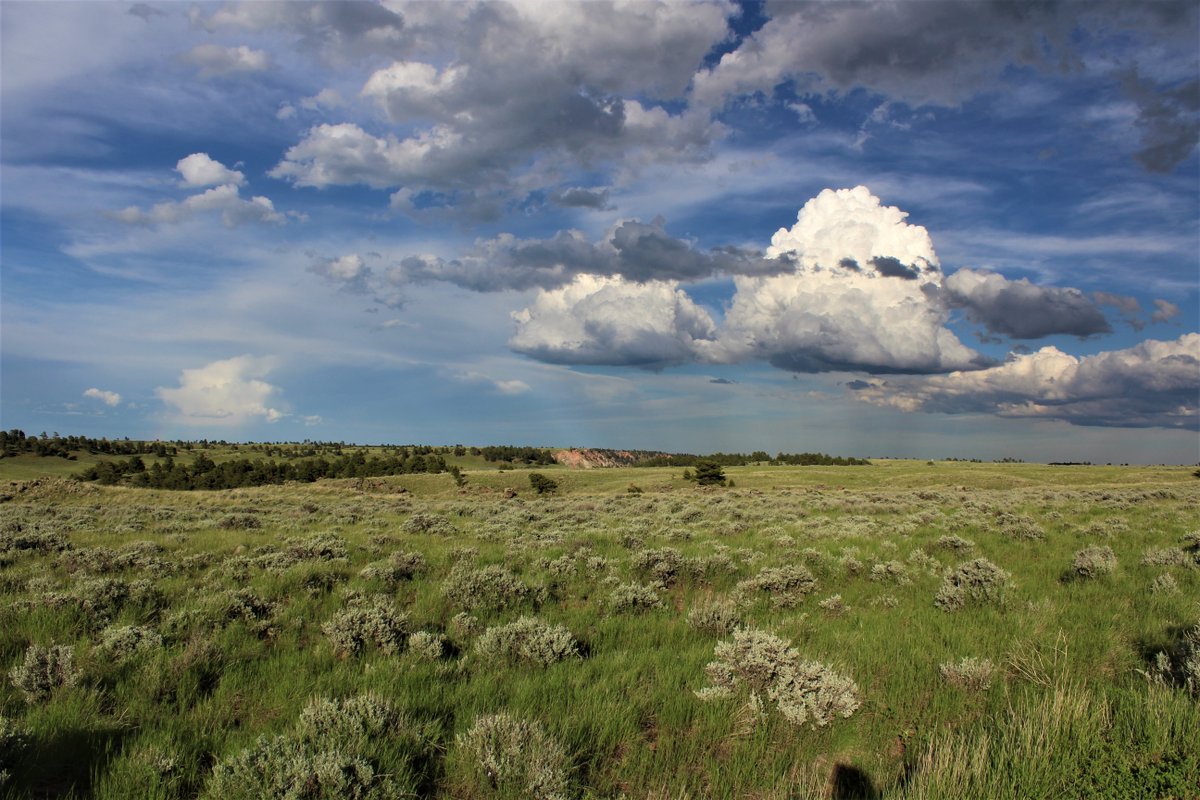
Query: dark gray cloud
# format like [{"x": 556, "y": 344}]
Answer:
[
  {"x": 942, "y": 52},
  {"x": 891, "y": 267},
  {"x": 1020, "y": 309},
  {"x": 1154, "y": 384},
  {"x": 474, "y": 114},
  {"x": 1129, "y": 307},
  {"x": 146, "y": 11},
  {"x": 633, "y": 250},
  {"x": 722, "y": 381},
  {"x": 334, "y": 30},
  {"x": 1168, "y": 120},
  {"x": 578, "y": 197},
  {"x": 1164, "y": 311}
]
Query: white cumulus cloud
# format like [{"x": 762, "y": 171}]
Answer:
[
  {"x": 863, "y": 295},
  {"x": 200, "y": 169},
  {"x": 609, "y": 320},
  {"x": 111, "y": 399},
  {"x": 230, "y": 392}
]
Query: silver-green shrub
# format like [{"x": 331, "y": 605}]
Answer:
[
  {"x": 435, "y": 524},
  {"x": 718, "y": 617},
  {"x": 43, "y": 670},
  {"x": 977, "y": 582},
  {"x": 14, "y": 740},
  {"x": 971, "y": 674},
  {"x": 633, "y": 598},
  {"x": 336, "y": 750},
  {"x": 1164, "y": 584},
  {"x": 664, "y": 565},
  {"x": 804, "y": 692},
  {"x": 1179, "y": 664},
  {"x": 484, "y": 588},
  {"x": 375, "y": 622},
  {"x": 890, "y": 572},
  {"x": 516, "y": 758},
  {"x": 528, "y": 640},
  {"x": 123, "y": 643},
  {"x": 785, "y": 586},
  {"x": 1093, "y": 561},
  {"x": 426, "y": 646}
]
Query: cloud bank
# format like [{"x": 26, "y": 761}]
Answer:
[{"x": 1153, "y": 384}]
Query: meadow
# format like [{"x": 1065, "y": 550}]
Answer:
[{"x": 907, "y": 629}]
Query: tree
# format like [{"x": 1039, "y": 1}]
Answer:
[
  {"x": 709, "y": 473},
  {"x": 541, "y": 484}
]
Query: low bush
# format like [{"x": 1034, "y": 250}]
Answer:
[
  {"x": 971, "y": 674},
  {"x": 529, "y": 641},
  {"x": 1093, "y": 562},
  {"x": 484, "y": 588},
  {"x": 516, "y": 758},
  {"x": 45, "y": 670},
  {"x": 374, "y": 622},
  {"x": 633, "y": 598},
  {"x": 123, "y": 643},
  {"x": 785, "y": 586},
  {"x": 804, "y": 692},
  {"x": 718, "y": 618},
  {"x": 977, "y": 582}
]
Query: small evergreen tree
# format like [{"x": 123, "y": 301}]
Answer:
[
  {"x": 541, "y": 484},
  {"x": 709, "y": 473}
]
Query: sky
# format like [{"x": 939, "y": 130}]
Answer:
[{"x": 918, "y": 229}]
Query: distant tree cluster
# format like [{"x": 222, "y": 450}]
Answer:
[
  {"x": 521, "y": 455},
  {"x": 204, "y": 473},
  {"x": 15, "y": 442},
  {"x": 742, "y": 459}
]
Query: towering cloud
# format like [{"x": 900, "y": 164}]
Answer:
[
  {"x": 863, "y": 295},
  {"x": 228, "y": 392}
]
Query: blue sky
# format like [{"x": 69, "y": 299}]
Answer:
[{"x": 917, "y": 229}]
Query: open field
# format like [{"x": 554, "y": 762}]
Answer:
[{"x": 809, "y": 633}]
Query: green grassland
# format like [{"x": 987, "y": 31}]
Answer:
[{"x": 202, "y": 634}]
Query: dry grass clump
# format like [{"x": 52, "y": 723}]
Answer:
[
  {"x": 978, "y": 582},
  {"x": 804, "y": 692},
  {"x": 364, "y": 623},
  {"x": 970, "y": 674},
  {"x": 785, "y": 586},
  {"x": 529, "y": 640},
  {"x": 516, "y": 758},
  {"x": 44, "y": 670}
]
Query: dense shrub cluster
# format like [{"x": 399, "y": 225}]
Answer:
[
  {"x": 43, "y": 670},
  {"x": 633, "y": 598},
  {"x": 1093, "y": 561},
  {"x": 359, "y": 748},
  {"x": 977, "y": 582},
  {"x": 484, "y": 588},
  {"x": 516, "y": 758},
  {"x": 125, "y": 642},
  {"x": 663, "y": 565},
  {"x": 804, "y": 692},
  {"x": 529, "y": 640},
  {"x": 399, "y": 566},
  {"x": 374, "y": 622},
  {"x": 785, "y": 586}
]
